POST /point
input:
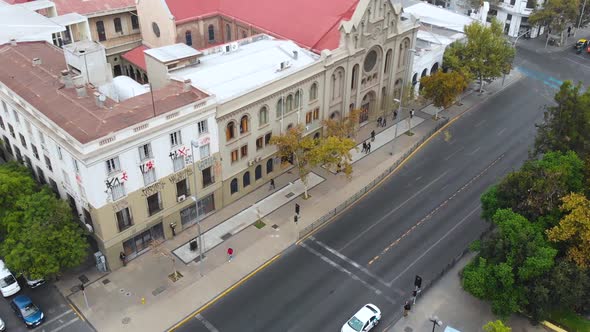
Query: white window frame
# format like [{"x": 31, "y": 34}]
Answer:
[
  {"x": 149, "y": 177},
  {"x": 175, "y": 138},
  {"x": 145, "y": 152},
  {"x": 118, "y": 191},
  {"x": 204, "y": 151},
  {"x": 112, "y": 165},
  {"x": 179, "y": 163},
  {"x": 203, "y": 127}
]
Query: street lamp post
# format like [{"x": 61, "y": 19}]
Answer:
[
  {"x": 195, "y": 144},
  {"x": 435, "y": 322},
  {"x": 399, "y": 110}
]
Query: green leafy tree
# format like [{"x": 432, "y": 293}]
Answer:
[
  {"x": 535, "y": 191},
  {"x": 486, "y": 54},
  {"x": 566, "y": 125},
  {"x": 345, "y": 127},
  {"x": 15, "y": 182},
  {"x": 496, "y": 326},
  {"x": 308, "y": 153},
  {"x": 42, "y": 238},
  {"x": 555, "y": 15},
  {"x": 513, "y": 257},
  {"x": 443, "y": 88},
  {"x": 574, "y": 228}
]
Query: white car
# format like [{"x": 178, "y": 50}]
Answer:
[
  {"x": 34, "y": 283},
  {"x": 2, "y": 326},
  {"x": 364, "y": 320}
]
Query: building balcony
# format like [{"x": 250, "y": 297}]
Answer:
[{"x": 121, "y": 44}]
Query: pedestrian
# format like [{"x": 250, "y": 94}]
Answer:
[
  {"x": 369, "y": 147},
  {"x": 384, "y": 123},
  {"x": 407, "y": 308},
  {"x": 364, "y": 146},
  {"x": 394, "y": 115},
  {"x": 123, "y": 258},
  {"x": 272, "y": 184},
  {"x": 230, "y": 253},
  {"x": 379, "y": 122},
  {"x": 373, "y": 136}
]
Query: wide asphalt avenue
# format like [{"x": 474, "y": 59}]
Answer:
[{"x": 416, "y": 222}]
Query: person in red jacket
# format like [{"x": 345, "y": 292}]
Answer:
[{"x": 230, "y": 253}]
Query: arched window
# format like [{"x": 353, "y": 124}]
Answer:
[
  {"x": 434, "y": 68},
  {"x": 414, "y": 79},
  {"x": 211, "y": 30},
  {"x": 228, "y": 32},
  {"x": 246, "y": 179},
  {"x": 263, "y": 116},
  {"x": 313, "y": 92},
  {"x": 280, "y": 108},
  {"x": 188, "y": 38},
  {"x": 118, "y": 26},
  {"x": 297, "y": 99},
  {"x": 244, "y": 128},
  {"x": 383, "y": 98},
  {"x": 233, "y": 186},
  {"x": 355, "y": 77},
  {"x": 290, "y": 126},
  {"x": 269, "y": 166},
  {"x": 289, "y": 103},
  {"x": 230, "y": 131},
  {"x": 316, "y": 136},
  {"x": 258, "y": 173},
  {"x": 387, "y": 61},
  {"x": 397, "y": 89}
]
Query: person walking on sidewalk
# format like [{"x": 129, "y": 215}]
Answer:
[
  {"x": 368, "y": 147},
  {"x": 272, "y": 184},
  {"x": 373, "y": 136},
  {"x": 407, "y": 308},
  {"x": 379, "y": 121},
  {"x": 384, "y": 122},
  {"x": 230, "y": 253},
  {"x": 123, "y": 258},
  {"x": 364, "y": 146},
  {"x": 394, "y": 115}
]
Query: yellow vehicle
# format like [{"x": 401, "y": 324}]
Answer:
[{"x": 582, "y": 43}]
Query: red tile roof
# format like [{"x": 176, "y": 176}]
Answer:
[
  {"x": 86, "y": 7},
  {"x": 79, "y": 117},
  {"x": 136, "y": 56},
  {"x": 311, "y": 23}
]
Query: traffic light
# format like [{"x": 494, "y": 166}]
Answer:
[
  {"x": 296, "y": 208},
  {"x": 418, "y": 281}
]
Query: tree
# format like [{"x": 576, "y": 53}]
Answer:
[
  {"x": 42, "y": 238},
  {"x": 574, "y": 228},
  {"x": 15, "y": 182},
  {"x": 513, "y": 258},
  {"x": 496, "y": 326},
  {"x": 566, "y": 125},
  {"x": 443, "y": 88},
  {"x": 308, "y": 153},
  {"x": 536, "y": 189},
  {"x": 486, "y": 54},
  {"x": 345, "y": 127},
  {"x": 556, "y": 15}
]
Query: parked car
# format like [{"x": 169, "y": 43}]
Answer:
[
  {"x": 582, "y": 43},
  {"x": 364, "y": 320},
  {"x": 2, "y": 325},
  {"x": 34, "y": 283},
  {"x": 26, "y": 310},
  {"x": 8, "y": 284}
]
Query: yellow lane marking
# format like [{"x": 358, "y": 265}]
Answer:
[
  {"x": 77, "y": 313},
  {"x": 224, "y": 293}
]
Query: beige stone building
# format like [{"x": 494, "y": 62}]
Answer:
[
  {"x": 225, "y": 79},
  {"x": 360, "y": 54}
]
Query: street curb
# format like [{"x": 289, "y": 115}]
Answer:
[
  {"x": 552, "y": 326},
  {"x": 79, "y": 312}
]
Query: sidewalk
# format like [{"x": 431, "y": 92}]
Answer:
[
  {"x": 142, "y": 297},
  {"x": 538, "y": 44},
  {"x": 455, "y": 308}
]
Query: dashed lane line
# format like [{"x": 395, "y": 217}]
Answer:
[
  {"x": 206, "y": 323},
  {"x": 435, "y": 244},
  {"x": 393, "y": 211},
  {"x": 63, "y": 326}
]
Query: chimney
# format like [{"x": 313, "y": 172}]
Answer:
[
  {"x": 187, "y": 85},
  {"x": 81, "y": 90},
  {"x": 99, "y": 98},
  {"x": 66, "y": 79},
  {"x": 13, "y": 42},
  {"x": 36, "y": 61},
  {"x": 295, "y": 55}
]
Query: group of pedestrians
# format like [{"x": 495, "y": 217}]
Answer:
[
  {"x": 366, "y": 147},
  {"x": 382, "y": 121}
]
